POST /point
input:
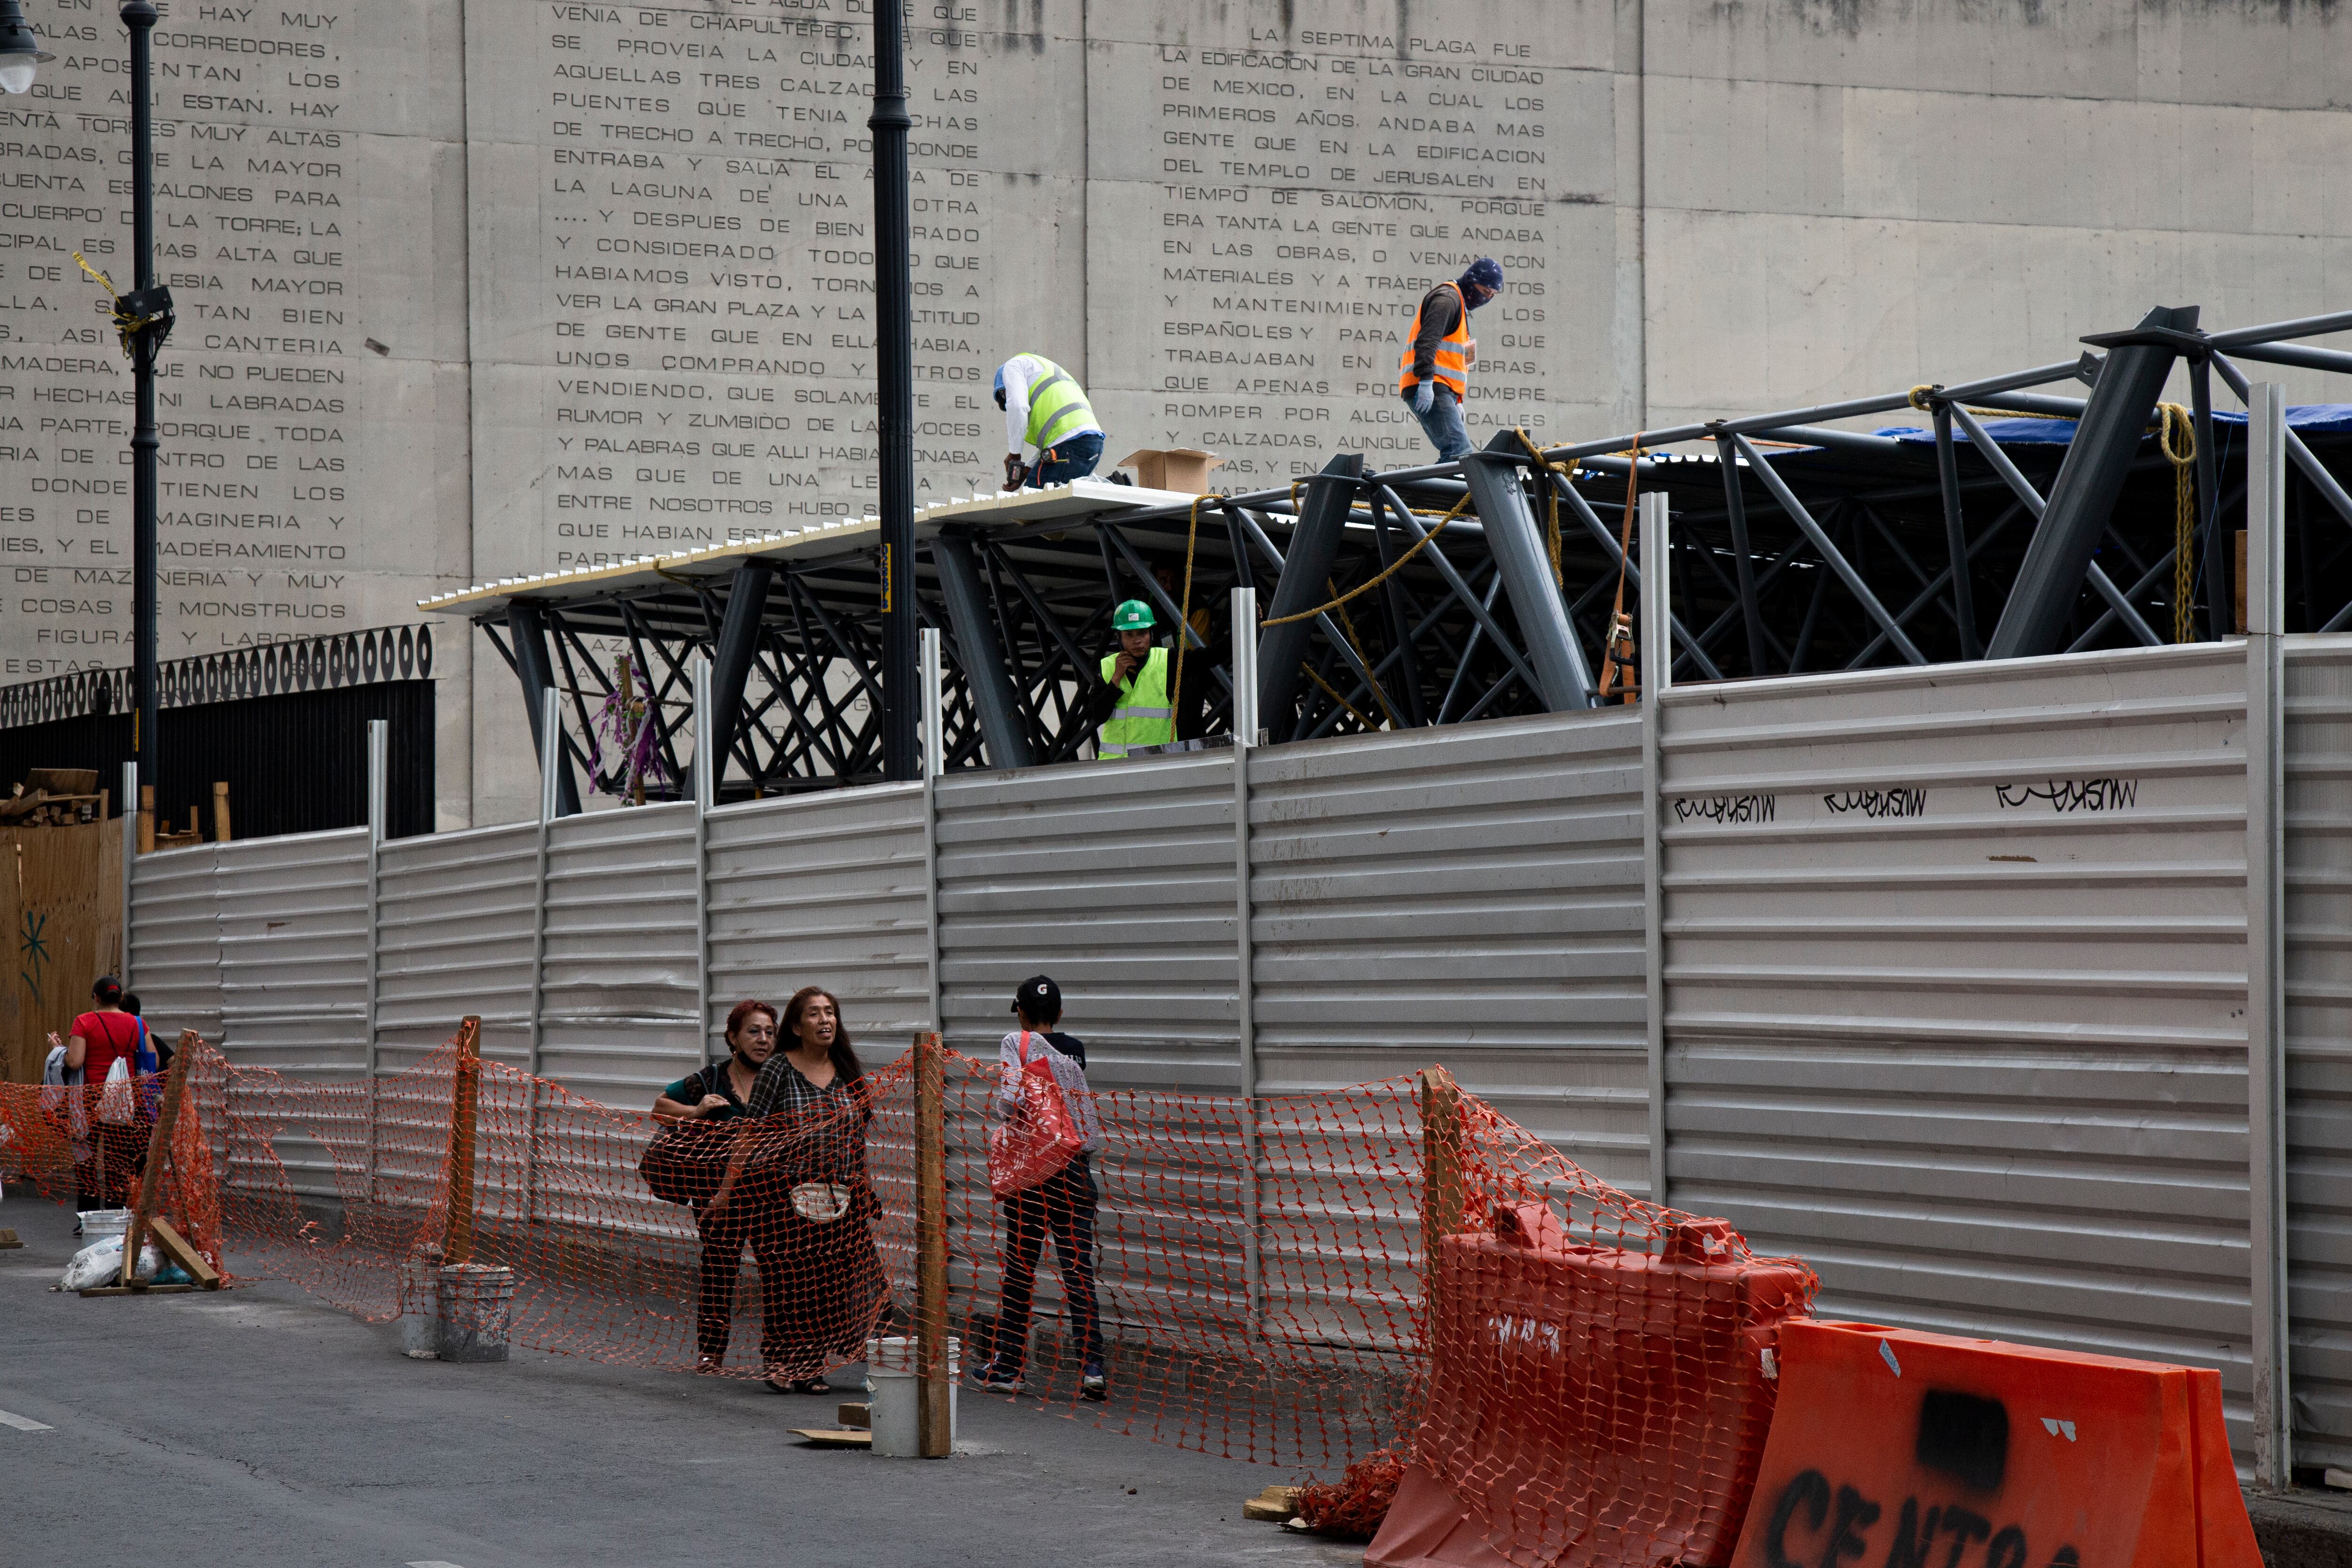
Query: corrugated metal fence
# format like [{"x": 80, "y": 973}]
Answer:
[
  {"x": 1955, "y": 975},
  {"x": 1954, "y": 964}
]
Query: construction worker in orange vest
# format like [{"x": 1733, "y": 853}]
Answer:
[{"x": 1434, "y": 373}]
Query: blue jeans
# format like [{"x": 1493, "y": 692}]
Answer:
[
  {"x": 1442, "y": 423},
  {"x": 1074, "y": 458}
]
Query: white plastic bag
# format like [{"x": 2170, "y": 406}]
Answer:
[
  {"x": 114, "y": 1097},
  {"x": 101, "y": 1263}
]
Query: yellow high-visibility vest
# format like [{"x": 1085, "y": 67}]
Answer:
[
  {"x": 1057, "y": 406},
  {"x": 1144, "y": 715}
]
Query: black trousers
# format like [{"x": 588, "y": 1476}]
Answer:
[{"x": 1063, "y": 1205}]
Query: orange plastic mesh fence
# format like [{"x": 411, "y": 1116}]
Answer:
[
  {"x": 90, "y": 1144},
  {"x": 1584, "y": 1369}
]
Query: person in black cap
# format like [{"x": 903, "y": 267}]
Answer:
[{"x": 1063, "y": 1204}]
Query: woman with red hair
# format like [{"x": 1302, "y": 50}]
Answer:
[{"x": 716, "y": 1094}]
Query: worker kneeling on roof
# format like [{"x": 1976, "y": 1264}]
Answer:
[
  {"x": 1143, "y": 712},
  {"x": 1434, "y": 373},
  {"x": 1045, "y": 408}
]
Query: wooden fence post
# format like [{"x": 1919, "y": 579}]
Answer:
[
  {"x": 146, "y": 819},
  {"x": 220, "y": 812},
  {"x": 458, "y": 1241},
  {"x": 1441, "y": 1164},
  {"x": 935, "y": 1432},
  {"x": 159, "y": 1149}
]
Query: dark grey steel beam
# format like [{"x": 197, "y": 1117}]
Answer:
[
  {"x": 1479, "y": 609},
  {"x": 2082, "y": 499},
  {"x": 2148, "y": 579},
  {"x": 982, "y": 655},
  {"x": 1743, "y": 564},
  {"x": 1956, "y": 536},
  {"x": 1562, "y": 677},
  {"x": 535, "y": 670},
  {"x": 2304, "y": 359},
  {"x": 1836, "y": 440},
  {"x": 1302, "y": 585},
  {"x": 2120, "y": 606},
  {"x": 1827, "y": 552},
  {"x": 1991, "y": 452},
  {"x": 2304, "y": 458},
  {"x": 2092, "y": 574},
  {"x": 730, "y": 665},
  {"x": 1608, "y": 541},
  {"x": 2209, "y": 516},
  {"x": 2301, "y": 327},
  {"x": 2033, "y": 402}
]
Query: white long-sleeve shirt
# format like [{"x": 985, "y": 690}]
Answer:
[
  {"x": 1069, "y": 1074},
  {"x": 1023, "y": 372}
]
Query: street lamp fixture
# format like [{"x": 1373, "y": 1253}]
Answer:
[{"x": 20, "y": 50}]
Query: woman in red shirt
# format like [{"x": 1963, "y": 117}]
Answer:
[{"x": 99, "y": 1037}]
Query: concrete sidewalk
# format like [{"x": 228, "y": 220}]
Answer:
[{"x": 258, "y": 1428}]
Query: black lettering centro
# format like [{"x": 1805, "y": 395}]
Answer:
[{"x": 1840, "y": 1518}]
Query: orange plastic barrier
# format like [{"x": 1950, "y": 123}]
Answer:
[
  {"x": 1891, "y": 1447},
  {"x": 1591, "y": 1404}
]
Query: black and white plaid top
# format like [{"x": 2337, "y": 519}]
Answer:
[{"x": 781, "y": 1086}]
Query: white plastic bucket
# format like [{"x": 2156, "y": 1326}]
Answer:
[
  {"x": 477, "y": 1310},
  {"x": 97, "y": 1224},
  {"x": 890, "y": 1380}
]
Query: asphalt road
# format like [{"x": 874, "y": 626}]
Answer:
[{"x": 258, "y": 1428}]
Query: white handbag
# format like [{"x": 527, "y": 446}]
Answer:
[{"x": 820, "y": 1202}]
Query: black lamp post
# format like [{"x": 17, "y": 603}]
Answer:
[
  {"x": 893, "y": 333},
  {"x": 20, "y": 50},
  {"x": 144, "y": 318}
]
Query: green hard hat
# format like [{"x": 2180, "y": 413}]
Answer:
[{"x": 1133, "y": 616}]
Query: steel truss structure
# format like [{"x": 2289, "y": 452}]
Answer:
[{"x": 1483, "y": 587}]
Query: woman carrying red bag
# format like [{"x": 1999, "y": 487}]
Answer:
[{"x": 1062, "y": 1204}]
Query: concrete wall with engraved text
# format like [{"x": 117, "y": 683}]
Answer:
[{"x": 473, "y": 290}]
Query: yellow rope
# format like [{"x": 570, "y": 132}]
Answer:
[
  {"x": 1551, "y": 494},
  {"x": 1347, "y": 626},
  {"x": 2177, "y": 439},
  {"x": 1919, "y": 400},
  {"x": 1390, "y": 571},
  {"x": 1309, "y": 669},
  {"x": 1619, "y": 672}
]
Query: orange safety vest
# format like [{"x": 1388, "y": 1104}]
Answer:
[{"x": 1453, "y": 367}]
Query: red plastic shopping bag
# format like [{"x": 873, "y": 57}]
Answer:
[{"x": 1039, "y": 1137}]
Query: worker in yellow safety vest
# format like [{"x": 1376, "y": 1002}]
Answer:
[
  {"x": 1434, "y": 372},
  {"x": 1045, "y": 408},
  {"x": 1142, "y": 712}
]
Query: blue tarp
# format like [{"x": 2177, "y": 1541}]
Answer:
[{"x": 2323, "y": 418}]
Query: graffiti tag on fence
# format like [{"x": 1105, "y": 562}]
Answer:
[
  {"x": 1899, "y": 801},
  {"x": 2065, "y": 795},
  {"x": 1727, "y": 809}
]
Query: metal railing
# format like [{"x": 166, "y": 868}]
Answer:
[{"x": 303, "y": 664}]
